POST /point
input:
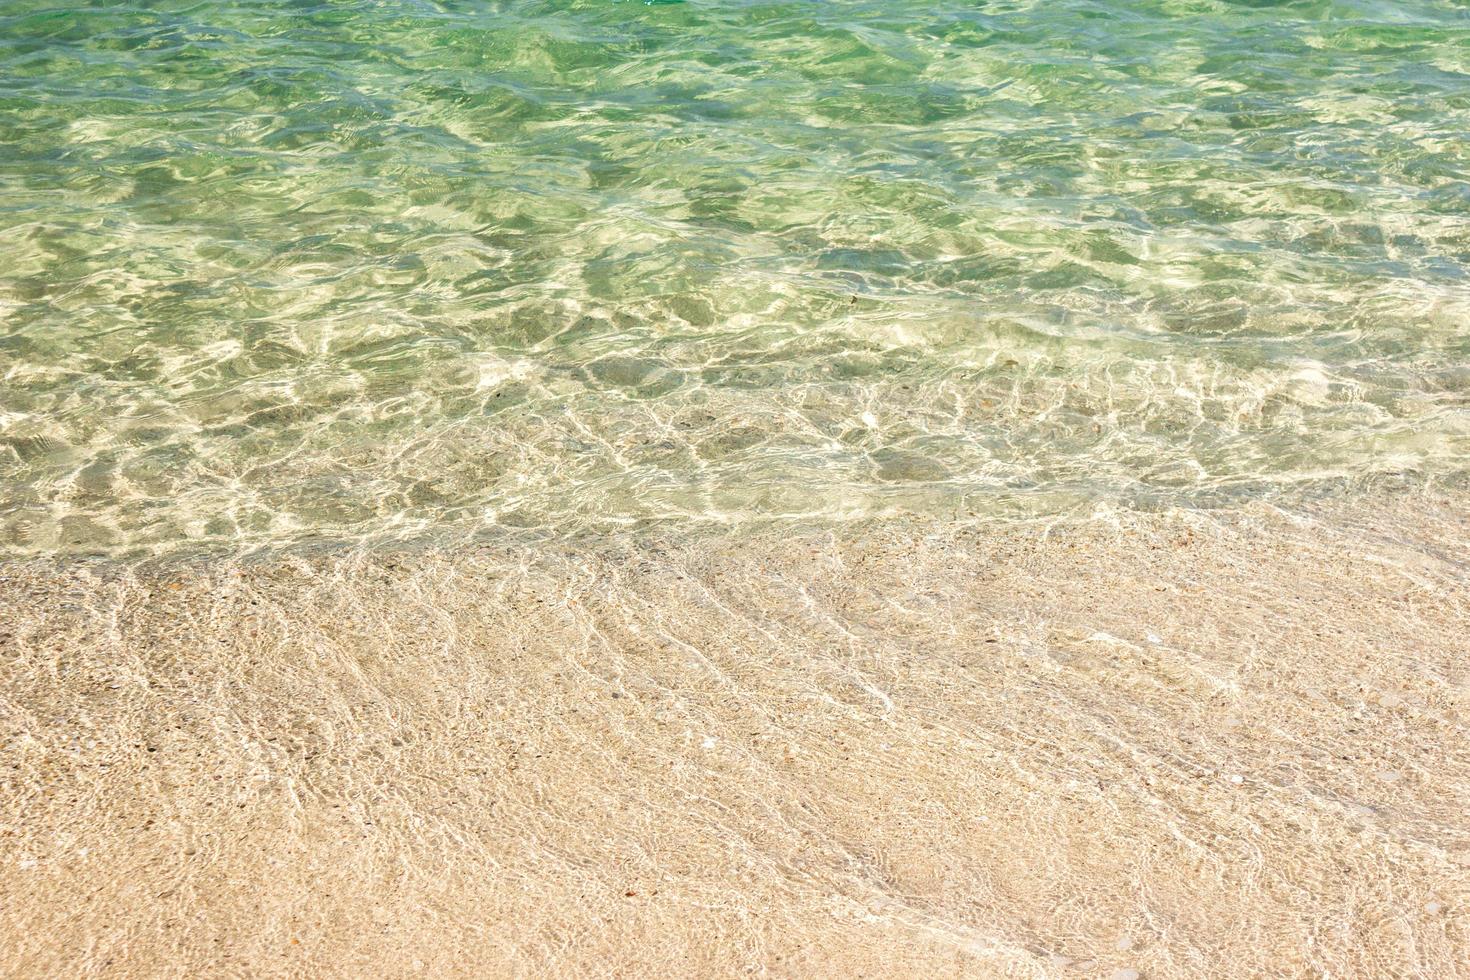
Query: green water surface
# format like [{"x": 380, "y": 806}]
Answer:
[{"x": 280, "y": 271}]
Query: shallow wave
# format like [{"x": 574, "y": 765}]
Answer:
[{"x": 276, "y": 272}]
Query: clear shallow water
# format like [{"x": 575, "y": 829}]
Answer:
[{"x": 277, "y": 271}]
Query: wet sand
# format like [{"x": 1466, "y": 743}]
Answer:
[{"x": 1188, "y": 744}]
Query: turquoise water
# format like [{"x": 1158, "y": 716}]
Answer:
[{"x": 281, "y": 271}]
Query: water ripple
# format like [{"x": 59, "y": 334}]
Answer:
[{"x": 278, "y": 271}]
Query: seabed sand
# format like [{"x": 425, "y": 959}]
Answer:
[{"x": 1187, "y": 744}]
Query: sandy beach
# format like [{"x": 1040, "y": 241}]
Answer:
[
  {"x": 1224, "y": 743},
  {"x": 707, "y": 489}
]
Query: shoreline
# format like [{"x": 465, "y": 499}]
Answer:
[{"x": 1182, "y": 743}]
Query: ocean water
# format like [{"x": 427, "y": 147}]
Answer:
[{"x": 281, "y": 272}]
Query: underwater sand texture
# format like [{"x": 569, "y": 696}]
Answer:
[{"x": 1186, "y": 744}]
